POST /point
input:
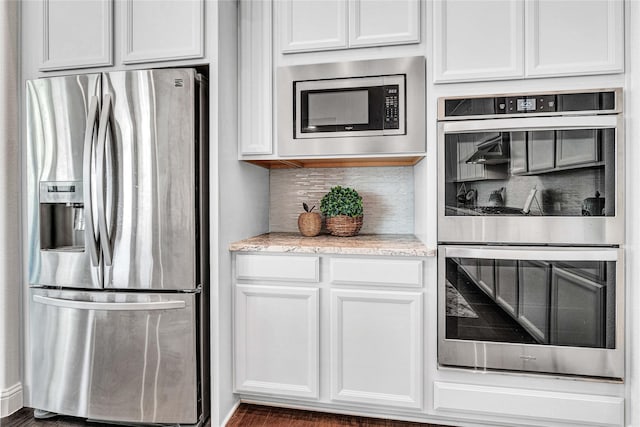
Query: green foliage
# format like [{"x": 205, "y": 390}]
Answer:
[{"x": 341, "y": 201}]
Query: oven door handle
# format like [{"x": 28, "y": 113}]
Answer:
[
  {"x": 532, "y": 123},
  {"x": 532, "y": 253}
]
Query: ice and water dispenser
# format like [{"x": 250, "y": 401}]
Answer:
[{"x": 61, "y": 216}]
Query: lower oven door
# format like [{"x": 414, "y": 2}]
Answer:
[
  {"x": 118, "y": 357},
  {"x": 538, "y": 309}
]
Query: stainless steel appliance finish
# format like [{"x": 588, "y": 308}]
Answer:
[
  {"x": 408, "y": 73},
  {"x": 56, "y": 133},
  {"x": 117, "y": 179},
  {"x": 552, "y": 220},
  {"x": 128, "y": 357},
  {"x": 532, "y": 280},
  {"x": 548, "y": 351},
  {"x": 153, "y": 218}
]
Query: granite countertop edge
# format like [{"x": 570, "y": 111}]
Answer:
[{"x": 368, "y": 244}]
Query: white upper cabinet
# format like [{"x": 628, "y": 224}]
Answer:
[
  {"x": 383, "y": 22},
  {"x": 255, "y": 88},
  {"x": 565, "y": 37},
  {"x": 478, "y": 40},
  {"x": 311, "y": 25},
  {"x": 79, "y": 34},
  {"x": 162, "y": 30},
  {"x": 76, "y": 34},
  {"x": 507, "y": 39}
]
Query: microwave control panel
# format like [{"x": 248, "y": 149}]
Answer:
[{"x": 391, "y": 100}]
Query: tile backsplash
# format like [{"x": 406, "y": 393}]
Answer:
[{"x": 387, "y": 195}]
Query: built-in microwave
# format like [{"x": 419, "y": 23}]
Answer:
[{"x": 351, "y": 108}]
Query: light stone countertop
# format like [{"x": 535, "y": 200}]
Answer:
[{"x": 362, "y": 244}]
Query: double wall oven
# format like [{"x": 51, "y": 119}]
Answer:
[{"x": 530, "y": 228}]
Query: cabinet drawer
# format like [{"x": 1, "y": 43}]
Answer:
[
  {"x": 278, "y": 267},
  {"x": 559, "y": 407},
  {"x": 377, "y": 272}
]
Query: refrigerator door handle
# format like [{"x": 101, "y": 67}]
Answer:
[
  {"x": 105, "y": 239},
  {"x": 109, "y": 306},
  {"x": 90, "y": 233}
]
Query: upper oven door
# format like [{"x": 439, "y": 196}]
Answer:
[
  {"x": 365, "y": 106},
  {"x": 537, "y": 180}
]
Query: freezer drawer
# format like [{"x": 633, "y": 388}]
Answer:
[{"x": 115, "y": 356}]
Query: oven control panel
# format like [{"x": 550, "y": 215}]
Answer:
[{"x": 529, "y": 103}]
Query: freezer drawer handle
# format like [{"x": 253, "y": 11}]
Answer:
[
  {"x": 89, "y": 133},
  {"x": 110, "y": 306}
]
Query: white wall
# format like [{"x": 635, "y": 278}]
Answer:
[
  {"x": 240, "y": 211},
  {"x": 632, "y": 253},
  {"x": 10, "y": 282}
]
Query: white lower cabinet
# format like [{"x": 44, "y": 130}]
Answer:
[
  {"x": 354, "y": 335},
  {"x": 276, "y": 340},
  {"x": 376, "y": 347}
]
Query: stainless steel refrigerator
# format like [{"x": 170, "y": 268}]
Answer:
[{"x": 118, "y": 238}]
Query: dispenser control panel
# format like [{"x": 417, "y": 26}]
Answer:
[{"x": 61, "y": 192}]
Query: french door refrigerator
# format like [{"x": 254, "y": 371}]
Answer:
[{"x": 117, "y": 226}]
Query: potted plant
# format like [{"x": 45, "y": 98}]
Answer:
[
  {"x": 342, "y": 207},
  {"x": 309, "y": 223}
]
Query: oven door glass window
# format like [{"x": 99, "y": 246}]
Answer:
[
  {"x": 530, "y": 172},
  {"x": 558, "y": 303}
]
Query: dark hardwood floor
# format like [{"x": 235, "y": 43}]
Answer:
[
  {"x": 245, "y": 416},
  {"x": 263, "y": 416}
]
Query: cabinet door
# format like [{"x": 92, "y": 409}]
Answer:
[
  {"x": 478, "y": 40},
  {"x": 383, "y": 22},
  {"x": 162, "y": 30},
  {"x": 486, "y": 275},
  {"x": 76, "y": 34},
  {"x": 541, "y": 146},
  {"x": 468, "y": 171},
  {"x": 507, "y": 285},
  {"x": 256, "y": 71},
  {"x": 569, "y": 38},
  {"x": 578, "y": 310},
  {"x": 518, "y": 153},
  {"x": 576, "y": 147},
  {"x": 376, "y": 347},
  {"x": 276, "y": 340},
  {"x": 470, "y": 266},
  {"x": 312, "y": 25},
  {"x": 534, "y": 295}
]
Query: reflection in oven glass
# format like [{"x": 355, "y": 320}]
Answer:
[
  {"x": 539, "y": 173},
  {"x": 561, "y": 303}
]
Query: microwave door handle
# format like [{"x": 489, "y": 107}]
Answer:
[
  {"x": 105, "y": 240},
  {"x": 89, "y": 133},
  {"x": 109, "y": 306}
]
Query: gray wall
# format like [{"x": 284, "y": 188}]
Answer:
[{"x": 387, "y": 194}]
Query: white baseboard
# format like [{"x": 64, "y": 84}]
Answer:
[
  {"x": 10, "y": 400},
  {"x": 230, "y": 414}
]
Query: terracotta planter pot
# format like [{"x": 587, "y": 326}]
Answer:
[
  {"x": 309, "y": 224},
  {"x": 344, "y": 226}
]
